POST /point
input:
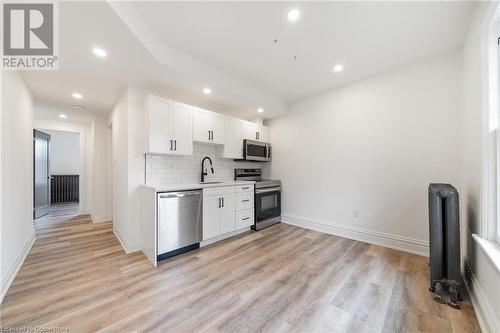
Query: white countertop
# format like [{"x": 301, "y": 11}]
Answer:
[{"x": 193, "y": 186}]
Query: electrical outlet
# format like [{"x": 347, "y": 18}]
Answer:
[{"x": 355, "y": 213}]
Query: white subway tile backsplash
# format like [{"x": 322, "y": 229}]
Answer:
[{"x": 167, "y": 169}]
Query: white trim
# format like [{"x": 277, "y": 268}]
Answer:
[
  {"x": 124, "y": 242},
  {"x": 485, "y": 313},
  {"x": 8, "y": 278},
  {"x": 406, "y": 244},
  {"x": 96, "y": 220},
  {"x": 222, "y": 237},
  {"x": 488, "y": 195},
  {"x": 491, "y": 249}
]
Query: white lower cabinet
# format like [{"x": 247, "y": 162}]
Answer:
[
  {"x": 227, "y": 220},
  {"x": 226, "y": 209},
  {"x": 244, "y": 218},
  {"x": 211, "y": 216},
  {"x": 218, "y": 211}
]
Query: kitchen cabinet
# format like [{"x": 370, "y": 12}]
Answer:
[
  {"x": 252, "y": 131},
  {"x": 228, "y": 214},
  {"x": 208, "y": 126},
  {"x": 233, "y": 147},
  {"x": 211, "y": 216},
  {"x": 182, "y": 132},
  {"x": 168, "y": 127},
  {"x": 219, "y": 214}
]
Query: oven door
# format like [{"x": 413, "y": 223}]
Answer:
[
  {"x": 267, "y": 203},
  {"x": 257, "y": 151}
]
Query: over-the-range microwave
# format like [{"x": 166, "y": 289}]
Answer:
[{"x": 256, "y": 150}]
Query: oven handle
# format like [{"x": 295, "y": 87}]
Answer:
[{"x": 268, "y": 189}]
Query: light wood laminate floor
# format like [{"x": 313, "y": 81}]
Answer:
[{"x": 281, "y": 279}]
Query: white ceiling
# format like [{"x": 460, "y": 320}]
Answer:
[
  {"x": 176, "y": 48},
  {"x": 367, "y": 37}
]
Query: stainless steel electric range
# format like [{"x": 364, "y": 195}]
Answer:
[{"x": 267, "y": 197}]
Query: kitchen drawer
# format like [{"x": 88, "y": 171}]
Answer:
[
  {"x": 244, "y": 218},
  {"x": 244, "y": 188},
  {"x": 244, "y": 200},
  {"x": 218, "y": 190}
]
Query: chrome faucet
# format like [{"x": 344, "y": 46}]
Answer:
[{"x": 205, "y": 173}]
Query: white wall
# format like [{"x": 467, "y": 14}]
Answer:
[
  {"x": 372, "y": 147},
  {"x": 101, "y": 206},
  {"x": 17, "y": 233},
  {"x": 475, "y": 204},
  {"x": 64, "y": 153},
  {"x": 128, "y": 166}
]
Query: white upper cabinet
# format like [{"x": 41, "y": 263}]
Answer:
[
  {"x": 168, "y": 127},
  {"x": 263, "y": 133},
  {"x": 171, "y": 128},
  {"x": 233, "y": 147},
  {"x": 255, "y": 132},
  {"x": 182, "y": 129},
  {"x": 208, "y": 126},
  {"x": 159, "y": 125}
]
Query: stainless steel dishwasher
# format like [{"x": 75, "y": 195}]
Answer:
[{"x": 180, "y": 222}]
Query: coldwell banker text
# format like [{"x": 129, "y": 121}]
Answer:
[{"x": 30, "y": 36}]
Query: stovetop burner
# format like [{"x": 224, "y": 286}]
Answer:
[{"x": 256, "y": 175}]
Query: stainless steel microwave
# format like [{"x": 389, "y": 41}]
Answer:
[{"x": 256, "y": 150}]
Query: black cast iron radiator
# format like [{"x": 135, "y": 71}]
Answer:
[
  {"x": 64, "y": 189},
  {"x": 444, "y": 229}
]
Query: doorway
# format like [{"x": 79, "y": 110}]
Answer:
[
  {"x": 56, "y": 173},
  {"x": 41, "y": 173}
]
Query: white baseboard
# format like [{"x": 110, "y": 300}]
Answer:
[
  {"x": 99, "y": 219},
  {"x": 485, "y": 313},
  {"x": 406, "y": 244},
  {"x": 222, "y": 237},
  {"x": 9, "y": 276},
  {"x": 124, "y": 242}
]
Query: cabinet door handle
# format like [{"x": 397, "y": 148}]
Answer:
[
  {"x": 219, "y": 203},
  {"x": 256, "y": 137},
  {"x": 175, "y": 144},
  {"x": 247, "y": 200},
  {"x": 222, "y": 202},
  {"x": 171, "y": 145},
  {"x": 245, "y": 218},
  {"x": 209, "y": 135},
  {"x": 212, "y": 135},
  {"x": 245, "y": 188}
]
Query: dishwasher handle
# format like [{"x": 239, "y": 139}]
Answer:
[{"x": 179, "y": 194}]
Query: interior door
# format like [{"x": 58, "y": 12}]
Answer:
[{"x": 41, "y": 173}]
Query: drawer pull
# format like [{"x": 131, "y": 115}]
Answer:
[
  {"x": 245, "y": 218},
  {"x": 245, "y": 188},
  {"x": 247, "y": 200}
]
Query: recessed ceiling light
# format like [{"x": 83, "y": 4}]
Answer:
[
  {"x": 207, "y": 91},
  {"x": 101, "y": 53},
  {"x": 293, "y": 15},
  {"x": 77, "y": 95},
  {"x": 77, "y": 107},
  {"x": 260, "y": 110},
  {"x": 63, "y": 116},
  {"x": 338, "y": 68}
]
